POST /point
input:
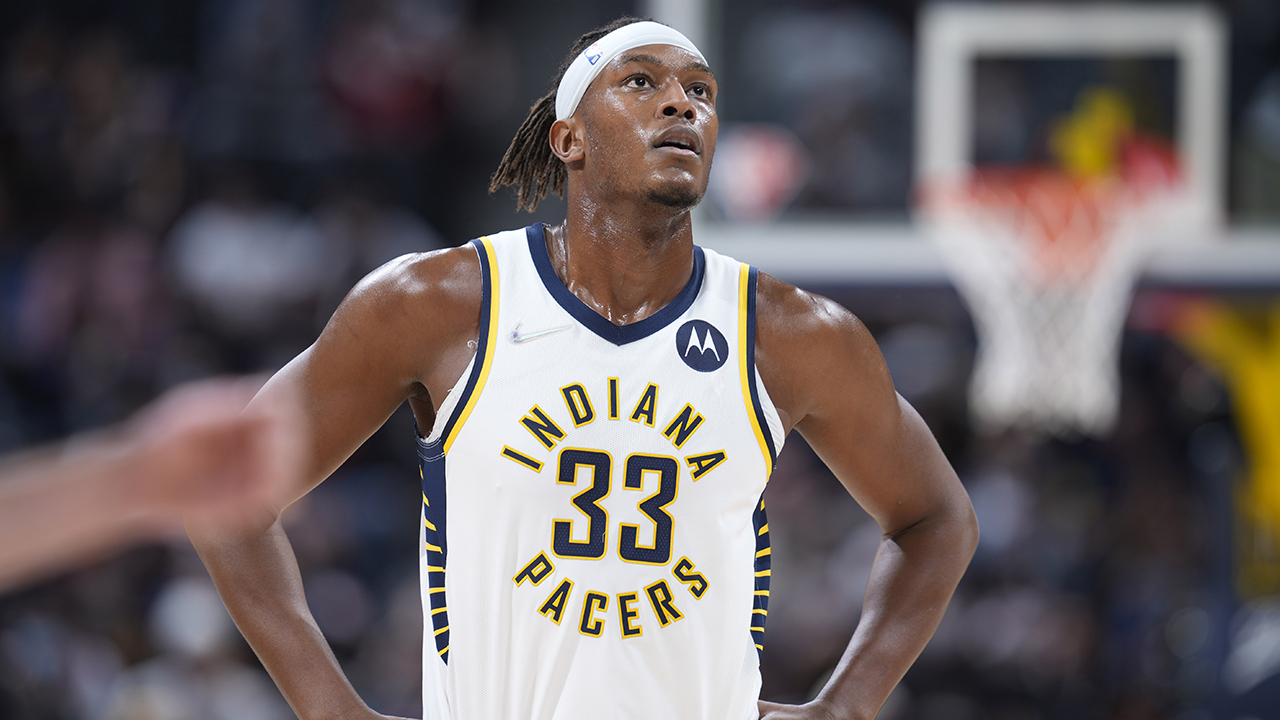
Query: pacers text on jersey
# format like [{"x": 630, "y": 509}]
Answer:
[{"x": 594, "y": 606}]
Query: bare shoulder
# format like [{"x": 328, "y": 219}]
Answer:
[
  {"x": 431, "y": 292},
  {"x": 412, "y": 322},
  {"x": 784, "y": 310},
  {"x": 420, "y": 282},
  {"x": 810, "y": 348}
]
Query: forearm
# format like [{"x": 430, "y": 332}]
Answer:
[
  {"x": 912, "y": 579},
  {"x": 256, "y": 572}
]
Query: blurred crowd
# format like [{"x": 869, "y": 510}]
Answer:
[
  {"x": 189, "y": 189},
  {"x": 188, "y": 199}
]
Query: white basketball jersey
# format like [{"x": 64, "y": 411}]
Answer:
[{"x": 594, "y": 542}]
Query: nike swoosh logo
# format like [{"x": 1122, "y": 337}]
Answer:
[{"x": 516, "y": 337}]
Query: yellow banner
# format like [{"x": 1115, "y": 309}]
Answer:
[{"x": 1243, "y": 344}]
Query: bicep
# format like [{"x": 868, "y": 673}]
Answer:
[
  {"x": 844, "y": 404},
  {"x": 339, "y": 404},
  {"x": 401, "y": 330},
  {"x": 888, "y": 460}
]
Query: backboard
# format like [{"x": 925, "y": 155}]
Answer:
[{"x": 955, "y": 38}]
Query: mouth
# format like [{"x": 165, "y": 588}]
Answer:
[{"x": 679, "y": 139}]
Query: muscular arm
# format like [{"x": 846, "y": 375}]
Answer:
[
  {"x": 402, "y": 333},
  {"x": 828, "y": 380}
]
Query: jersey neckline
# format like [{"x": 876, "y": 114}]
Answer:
[{"x": 594, "y": 321}]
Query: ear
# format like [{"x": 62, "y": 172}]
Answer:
[{"x": 568, "y": 141}]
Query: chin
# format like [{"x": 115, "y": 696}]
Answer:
[{"x": 676, "y": 197}]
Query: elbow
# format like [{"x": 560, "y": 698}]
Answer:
[
  {"x": 969, "y": 531},
  {"x": 957, "y": 526},
  {"x": 952, "y": 527},
  {"x": 962, "y": 526}
]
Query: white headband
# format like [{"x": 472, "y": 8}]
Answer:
[{"x": 588, "y": 65}]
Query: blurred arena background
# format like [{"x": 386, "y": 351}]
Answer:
[{"x": 189, "y": 188}]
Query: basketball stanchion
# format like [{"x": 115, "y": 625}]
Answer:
[{"x": 1046, "y": 263}]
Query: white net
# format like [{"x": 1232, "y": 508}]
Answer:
[{"x": 1047, "y": 267}]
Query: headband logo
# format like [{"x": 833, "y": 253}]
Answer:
[{"x": 590, "y": 61}]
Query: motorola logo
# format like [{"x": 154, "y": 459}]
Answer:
[{"x": 701, "y": 346}]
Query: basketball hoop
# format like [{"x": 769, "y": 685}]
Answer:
[{"x": 1046, "y": 263}]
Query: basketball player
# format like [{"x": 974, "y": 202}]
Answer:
[{"x": 600, "y": 404}]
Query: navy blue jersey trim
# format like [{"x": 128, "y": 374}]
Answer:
[
  {"x": 435, "y": 503},
  {"x": 764, "y": 570},
  {"x": 751, "y": 368},
  {"x": 592, "y": 320},
  {"x": 436, "y": 537}
]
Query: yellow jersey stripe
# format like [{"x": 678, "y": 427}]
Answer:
[
  {"x": 491, "y": 340},
  {"x": 744, "y": 284}
]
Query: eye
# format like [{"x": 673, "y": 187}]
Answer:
[
  {"x": 639, "y": 81},
  {"x": 700, "y": 90}
]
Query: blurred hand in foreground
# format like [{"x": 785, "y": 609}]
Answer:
[{"x": 195, "y": 453}]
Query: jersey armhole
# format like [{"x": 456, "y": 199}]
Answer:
[
  {"x": 462, "y": 397},
  {"x": 772, "y": 419},
  {"x": 753, "y": 391}
]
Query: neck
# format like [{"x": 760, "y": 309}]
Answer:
[{"x": 627, "y": 262}]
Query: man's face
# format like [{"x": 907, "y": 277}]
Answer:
[{"x": 650, "y": 123}]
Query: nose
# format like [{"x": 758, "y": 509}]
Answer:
[{"x": 676, "y": 102}]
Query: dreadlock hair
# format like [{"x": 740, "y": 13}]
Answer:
[{"x": 529, "y": 164}]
